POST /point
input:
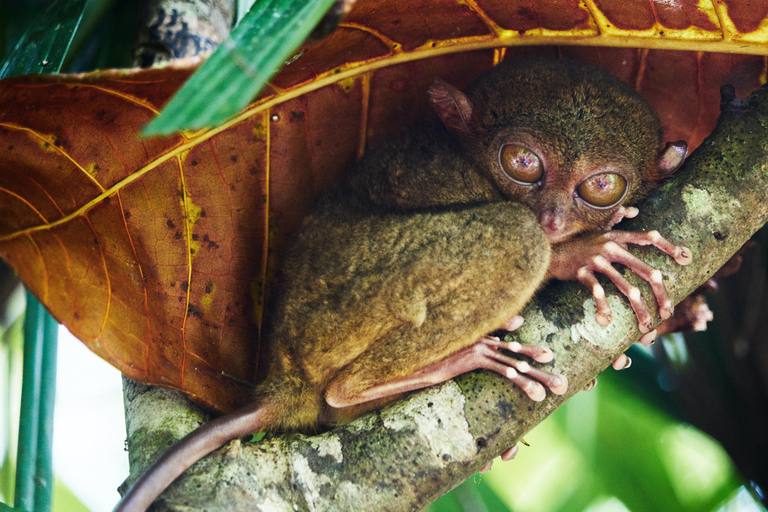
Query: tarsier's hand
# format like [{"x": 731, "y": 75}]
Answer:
[{"x": 580, "y": 258}]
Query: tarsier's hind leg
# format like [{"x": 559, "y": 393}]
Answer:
[{"x": 347, "y": 389}]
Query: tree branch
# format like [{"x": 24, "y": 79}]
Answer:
[{"x": 411, "y": 453}]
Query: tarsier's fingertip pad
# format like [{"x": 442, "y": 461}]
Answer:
[
  {"x": 536, "y": 392},
  {"x": 510, "y": 454},
  {"x": 559, "y": 385},
  {"x": 544, "y": 356},
  {"x": 649, "y": 338},
  {"x": 622, "y": 362}
]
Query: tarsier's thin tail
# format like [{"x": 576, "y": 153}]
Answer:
[{"x": 196, "y": 445}]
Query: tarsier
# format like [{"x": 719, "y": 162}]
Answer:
[{"x": 441, "y": 236}]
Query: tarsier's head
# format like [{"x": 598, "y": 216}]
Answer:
[{"x": 569, "y": 140}]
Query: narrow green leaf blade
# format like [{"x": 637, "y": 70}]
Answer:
[
  {"x": 43, "y": 46},
  {"x": 239, "y": 68}
]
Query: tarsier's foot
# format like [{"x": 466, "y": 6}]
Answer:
[
  {"x": 580, "y": 258},
  {"x": 486, "y": 354}
]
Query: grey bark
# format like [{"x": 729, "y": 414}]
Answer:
[{"x": 409, "y": 454}]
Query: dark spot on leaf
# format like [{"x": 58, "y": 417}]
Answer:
[
  {"x": 195, "y": 237},
  {"x": 253, "y": 171},
  {"x": 100, "y": 115},
  {"x": 209, "y": 287},
  {"x": 181, "y": 299},
  {"x": 177, "y": 235},
  {"x": 397, "y": 85},
  {"x": 202, "y": 213},
  {"x": 194, "y": 163},
  {"x": 107, "y": 200},
  {"x": 77, "y": 315},
  {"x": 232, "y": 188},
  {"x": 233, "y": 158},
  {"x": 10, "y": 147},
  {"x": 296, "y": 116},
  {"x": 193, "y": 311},
  {"x": 185, "y": 286},
  {"x": 170, "y": 224},
  {"x": 173, "y": 285}
]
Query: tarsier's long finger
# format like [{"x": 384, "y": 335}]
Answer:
[
  {"x": 558, "y": 384},
  {"x": 588, "y": 279},
  {"x": 517, "y": 364},
  {"x": 682, "y": 255},
  {"x": 632, "y": 292},
  {"x": 533, "y": 389},
  {"x": 536, "y": 352},
  {"x": 647, "y": 272}
]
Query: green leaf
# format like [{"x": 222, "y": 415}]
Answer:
[
  {"x": 45, "y": 43},
  {"x": 243, "y": 63}
]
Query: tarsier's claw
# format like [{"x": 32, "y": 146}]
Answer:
[{"x": 590, "y": 385}]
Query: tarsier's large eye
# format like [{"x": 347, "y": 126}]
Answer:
[
  {"x": 521, "y": 164},
  {"x": 603, "y": 190}
]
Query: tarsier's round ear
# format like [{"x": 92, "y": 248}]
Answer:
[
  {"x": 454, "y": 108},
  {"x": 672, "y": 157}
]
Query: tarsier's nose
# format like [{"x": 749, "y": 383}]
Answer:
[{"x": 552, "y": 221}]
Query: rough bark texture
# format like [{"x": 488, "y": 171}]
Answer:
[
  {"x": 173, "y": 29},
  {"x": 411, "y": 453}
]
